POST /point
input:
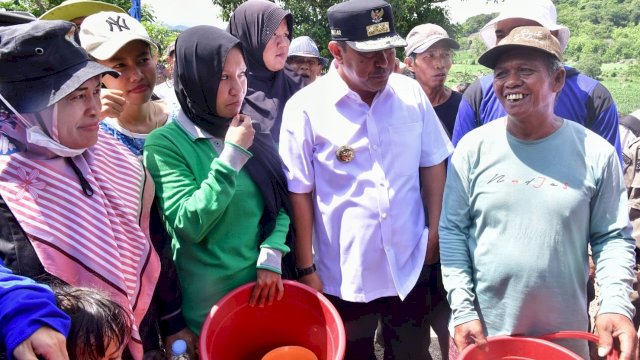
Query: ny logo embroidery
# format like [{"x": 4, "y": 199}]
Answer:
[{"x": 119, "y": 22}]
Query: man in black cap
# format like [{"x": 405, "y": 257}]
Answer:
[{"x": 358, "y": 145}]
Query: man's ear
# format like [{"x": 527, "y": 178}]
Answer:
[
  {"x": 558, "y": 79},
  {"x": 409, "y": 62},
  {"x": 336, "y": 50}
]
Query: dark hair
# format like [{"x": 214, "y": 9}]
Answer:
[{"x": 96, "y": 321}]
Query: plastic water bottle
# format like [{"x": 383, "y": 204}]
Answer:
[{"x": 179, "y": 350}]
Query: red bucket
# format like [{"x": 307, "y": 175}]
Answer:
[
  {"x": 304, "y": 317},
  {"x": 529, "y": 348}
]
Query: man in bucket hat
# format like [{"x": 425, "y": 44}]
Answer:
[
  {"x": 358, "y": 145},
  {"x": 525, "y": 196},
  {"x": 304, "y": 58},
  {"x": 583, "y": 99}
]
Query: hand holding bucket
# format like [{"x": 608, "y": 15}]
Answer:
[
  {"x": 522, "y": 347},
  {"x": 302, "y": 318}
]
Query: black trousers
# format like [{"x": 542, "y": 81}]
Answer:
[{"x": 404, "y": 325}]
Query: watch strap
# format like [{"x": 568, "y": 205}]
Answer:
[{"x": 306, "y": 271}]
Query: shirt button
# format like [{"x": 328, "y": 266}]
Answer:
[
  {"x": 375, "y": 147},
  {"x": 384, "y": 215}
]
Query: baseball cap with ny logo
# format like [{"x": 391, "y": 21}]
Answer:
[{"x": 104, "y": 33}]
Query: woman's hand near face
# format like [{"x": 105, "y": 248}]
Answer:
[
  {"x": 268, "y": 288},
  {"x": 241, "y": 131},
  {"x": 113, "y": 102}
]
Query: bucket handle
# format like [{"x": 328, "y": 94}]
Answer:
[{"x": 613, "y": 354}]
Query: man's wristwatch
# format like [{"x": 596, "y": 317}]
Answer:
[{"x": 306, "y": 271}]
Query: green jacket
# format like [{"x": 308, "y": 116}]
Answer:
[{"x": 212, "y": 214}]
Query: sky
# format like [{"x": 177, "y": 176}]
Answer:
[
  {"x": 203, "y": 12},
  {"x": 186, "y": 13}
]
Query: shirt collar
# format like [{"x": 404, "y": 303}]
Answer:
[
  {"x": 340, "y": 89},
  {"x": 192, "y": 129}
]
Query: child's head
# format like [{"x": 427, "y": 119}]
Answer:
[{"x": 100, "y": 327}]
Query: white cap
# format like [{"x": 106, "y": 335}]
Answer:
[
  {"x": 541, "y": 11},
  {"x": 104, "y": 33},
  {"x": 424, "y": 36}
]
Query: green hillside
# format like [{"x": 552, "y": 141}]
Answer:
[
  {"x": 606, "y": 29},
  {"x": 605, "y": 43}
]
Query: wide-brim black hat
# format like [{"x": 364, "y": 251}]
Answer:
[
  {"x": 8, "y": 18},
  {"x": 28, "y": 96},
  {"x": 40, "y": 64}
]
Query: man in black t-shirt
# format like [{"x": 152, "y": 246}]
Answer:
[{"x": 429, "y": 58}]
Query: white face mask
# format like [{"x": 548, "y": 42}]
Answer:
[{"x": 37, "y": 136}]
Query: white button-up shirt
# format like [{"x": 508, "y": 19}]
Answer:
[{"x": 370, "y": 237}]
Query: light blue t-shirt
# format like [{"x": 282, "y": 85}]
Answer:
[
  {"x": 516, "y": 223},
  {"x": 133, "y": 141}
]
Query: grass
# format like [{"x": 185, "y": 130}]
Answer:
[
  {"x": 625, "y": 94},
  {"x": 461, "y": 73},
  {"x": 625, "y": 90}
]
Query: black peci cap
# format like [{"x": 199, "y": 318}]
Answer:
[{"x": 366, "y": 25}]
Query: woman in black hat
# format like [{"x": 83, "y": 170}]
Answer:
[{"x": 75, "y": 201}]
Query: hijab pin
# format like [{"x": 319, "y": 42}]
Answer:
[{"x": 345, "y": 154}]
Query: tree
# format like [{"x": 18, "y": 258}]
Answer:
[
  {"x": 39, "y": 7},
  {"x": 473, "y": 24},
  {"x": 162, "y": 36},
  {"x": 605, "y": 28},
  {"x": 590, "y": 65},
  {"x": 158, "y": 33},
  {"x": 310, "y": 16}
]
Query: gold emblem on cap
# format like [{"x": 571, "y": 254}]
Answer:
[
  {"x": 345, "y": 153},
  {"x": 376, "y": 15},
  {"x": 377, "y": 29}
]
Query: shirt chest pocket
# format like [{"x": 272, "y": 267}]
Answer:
[{"x": 405, "y": 143}]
